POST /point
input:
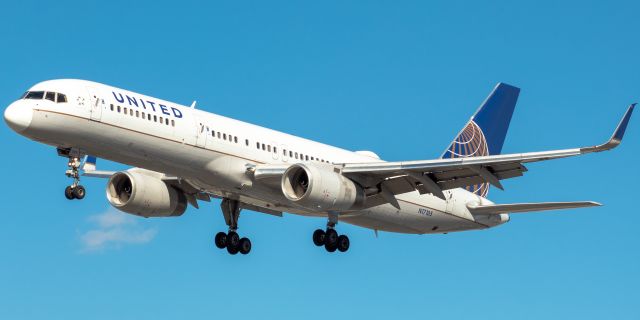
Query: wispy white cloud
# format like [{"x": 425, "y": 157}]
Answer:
[{"x": 113, "y": 229}]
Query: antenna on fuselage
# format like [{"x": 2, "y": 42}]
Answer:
[{"x": 193, "y": 104}]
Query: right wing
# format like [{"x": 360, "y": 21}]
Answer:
[{"x": 435, "y": 176}]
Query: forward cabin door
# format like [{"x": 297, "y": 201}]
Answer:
[
  {"x": 95, "y": 104},
  {"x": 202, "y": 133}
]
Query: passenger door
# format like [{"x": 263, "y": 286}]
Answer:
[
  {"x": 95, "y": 104},
  {"x": 201, "y": 135}
]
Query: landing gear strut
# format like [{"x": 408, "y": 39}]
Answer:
[
  {"x": 231, "y": 240},
  {"x": 75, "y": 190},
  {"x": 330, "y": 238}
]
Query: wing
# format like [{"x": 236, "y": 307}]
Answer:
[{"x": 435, "y": 176}]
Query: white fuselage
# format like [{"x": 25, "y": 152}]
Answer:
[{"x": 213, "y": 153}]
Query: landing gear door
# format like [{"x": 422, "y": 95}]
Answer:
[{"x": 95, "y": 104}]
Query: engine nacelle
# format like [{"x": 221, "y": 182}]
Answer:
[
  {"x": 320, "y": 188},
  {"x": 143, "y": 193}
]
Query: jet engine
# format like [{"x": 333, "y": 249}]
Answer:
[
  {"x": 143, "y": 193},
  {"x": 320, "y": 188}
]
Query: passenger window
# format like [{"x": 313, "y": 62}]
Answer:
[
  {"x": 224, "y": 136},
  {"x": 218, "y": 134},
  {"x": 51, "y": 96},
  {"x": 290, "y": 154},
  {"x": 246, "y": 141},
  {"x": 161, "y": 120},
  {"x": 137, "y": 114},
  {"x": 112, "y": 107},
  {"x": 125, "y": 110},
  {"x": 34, "y": 95},
  {"x": 306, "y": 158},
  {"x": 235, "y": 139},
  {"x": 155, "y": 118},
  {"x": 284, "y": 152},
  {"x": 131, "y": 112},
  {"x": 118, "y": 109},
  {"x": 166, "y": 121},
  {"x": 296, "y": 155},
  {"x": 258, "y": 145},
  {"x": 213, "y": 133},
  {"x": 61, "y": 98},
  {"x": 263, "y": 147},
  {"x": 173, "y": 123},
  {"x": 149, "y": 116},
  {"x": 143, "y": 116},
  {"x": 269, "y": 148}
]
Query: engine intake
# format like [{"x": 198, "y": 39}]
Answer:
[
  {"x": 143, "y": 193},
  {"x": 319, "y": 187}
]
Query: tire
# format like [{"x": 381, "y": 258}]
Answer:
[
  {"x": 244, "y": 246},
  {"x": 221, "y": 240},
  {"x": 343, "y": 243},
  {"x": 331, "y": 237},
  {"x": 68, "y": 193},
  {"x": 318, "y": 237},
  {"x": 330, "y": 247},
  {"x": 79, "y": 192},
  {"x": 233, "y": 239},
  {"x": 232, "y": 249}
]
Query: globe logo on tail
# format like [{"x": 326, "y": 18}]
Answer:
[{"x": 471, "y": 142}]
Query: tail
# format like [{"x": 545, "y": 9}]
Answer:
[{"x": 484, "y": 134}]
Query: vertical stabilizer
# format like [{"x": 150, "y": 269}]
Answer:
[{"x": 484, "y": 134}]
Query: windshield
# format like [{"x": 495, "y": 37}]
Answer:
[
  {"x": 34, "y": 95},
  {"x": 49, "y": 95}
]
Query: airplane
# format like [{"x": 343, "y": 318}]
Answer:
[{"x": 181, "y": 155}]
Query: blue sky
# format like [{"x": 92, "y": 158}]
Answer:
[{"x": 399, "y": 78}]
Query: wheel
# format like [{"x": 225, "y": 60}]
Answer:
[
  {"x": 221, "y": 240},
  {"x": 68, "y": 193},
  {"x": 331, "y": 247},
  {"x": 233, "y": 239},
  {"x": 79, "y": 192},
  {"x": 331, "y": 237},
  {"x": 318, "y": 237},
  {"x": 245, "y": 245},
  {"x": 232, "y": 249},
  {"x": 343, "y": 243}
]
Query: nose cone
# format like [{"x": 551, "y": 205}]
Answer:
[{"x": 18, "y": 116}]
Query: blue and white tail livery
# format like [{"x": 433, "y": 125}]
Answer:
[
  {"x": 181, "y": 155},
  {"x": 484, "y": 134}
]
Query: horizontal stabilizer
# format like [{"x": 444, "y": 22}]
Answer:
[{"x": 528, "y": 207}]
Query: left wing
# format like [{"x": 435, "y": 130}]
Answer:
[{"x": 435, "y": 176}]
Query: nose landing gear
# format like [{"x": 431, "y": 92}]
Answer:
[{"x": 75, "y": 190}]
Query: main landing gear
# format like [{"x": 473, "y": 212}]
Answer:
[
  {"x": 330, "y": 238},
  {"x": 231, "y": 240},
  {"x": 75, "y": 190}
]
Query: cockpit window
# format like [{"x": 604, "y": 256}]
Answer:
[
  {"x": 61, "y": 98},
  {"x": 34, "y": 95},
  {"x": 53, "y": 96}
]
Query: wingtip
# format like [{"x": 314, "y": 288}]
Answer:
[{"x": 622, "y": 126}]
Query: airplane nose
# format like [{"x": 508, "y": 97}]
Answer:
[{"x": 18, "y": 116}]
